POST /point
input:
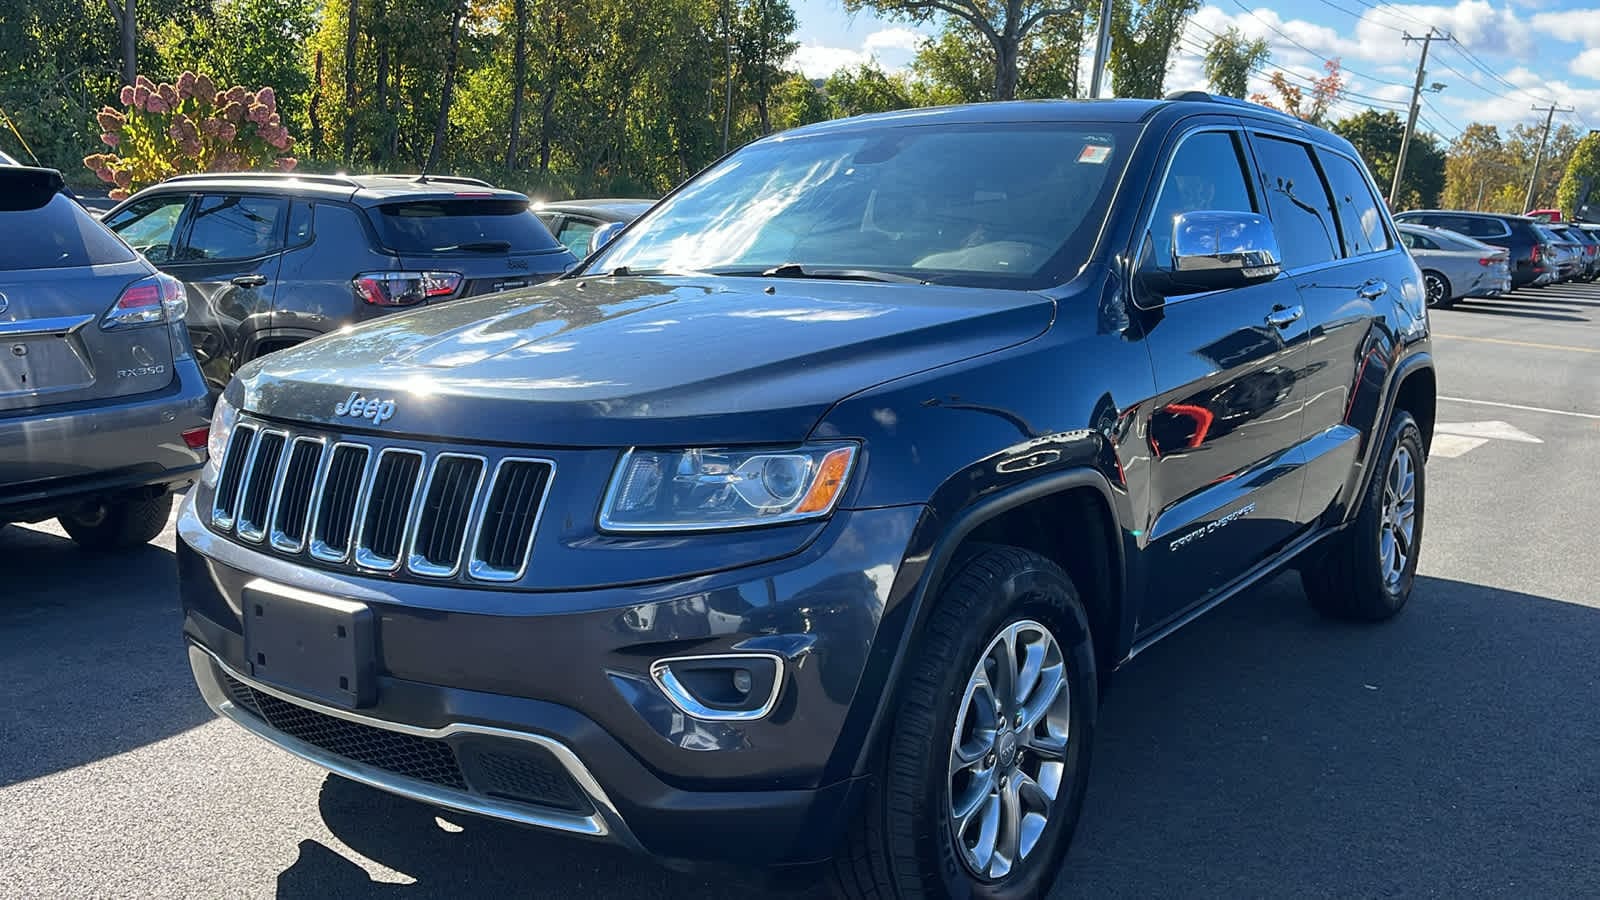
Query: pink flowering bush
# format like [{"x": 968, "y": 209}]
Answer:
[{"x": 191, "y": 126}]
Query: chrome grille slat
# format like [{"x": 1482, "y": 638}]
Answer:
[
  {"x": 390, "y": 499},
  {"x": 450, "y": 515},
  {"x": 261, "y": 479}
]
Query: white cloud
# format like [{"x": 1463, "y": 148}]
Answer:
[
  {"x": 1586, "y": 64},
  {"x": 892, "y": 48},
  {"x": 899, "y": 38},
  {"x": 815, "y": 61}
]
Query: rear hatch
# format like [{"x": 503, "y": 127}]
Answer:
[
  {"x": 61, "y": 274},
  {"x": 492, "y": 240}
]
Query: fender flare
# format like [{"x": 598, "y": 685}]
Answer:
[
  {"x": 1410, "y": 365},
  {"x": 945, "y": 554}
]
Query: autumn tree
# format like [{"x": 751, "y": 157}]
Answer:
[
  {"x": 1143, "y": 33},
  {"x": 1231, "y": 58},
  {"x": 1377, "y": 136},
  {"x": 1583, "y": 170},
  {"x": 1476, "y": 169},
  {"x": 1296, "y": 101},
  {"x": 1003, "y": 29}
]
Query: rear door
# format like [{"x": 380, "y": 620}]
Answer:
[
  {"x": 1224, "y": 427},
  {"x": 227, "y": 254},
  {"x": 495, "y": 243},
  {"x": 61, "y": 272}
]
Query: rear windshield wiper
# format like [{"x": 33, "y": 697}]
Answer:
[
  {"x": 477, "y": 247},
  {"x": 795, "y": 270}
]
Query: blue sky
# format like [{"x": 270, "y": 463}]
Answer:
[{"x": 1508, "y": 56}]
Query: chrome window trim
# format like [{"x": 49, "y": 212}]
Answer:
[
  {"x": 476, "y": 568},
  {"x": 258, "y": 530},
  {"x": 364, "y": 557},
  {"x": 319, "y": 550},
  {"x": 408, "y": 548},
  {"x": 276, "y": 538},
  {"x": 605, "y": 823},
  {"x": 661, "y": 674},
  {"x": 218, "y": 520}
]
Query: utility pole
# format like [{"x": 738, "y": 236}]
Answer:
[
  {"x": 727, "y": 77},
  {"x": 1102, "y": 49},
  {"x": 1416, "y": 101},
  {"x": 1538, "y": 157}
]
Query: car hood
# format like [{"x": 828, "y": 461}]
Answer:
[{"x": 630, "y": 361}]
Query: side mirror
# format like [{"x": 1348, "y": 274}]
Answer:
[
  {"x": 603, "y": 235},
  {"x": 1214, "y": 250}
]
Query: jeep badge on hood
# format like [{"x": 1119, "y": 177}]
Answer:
[{"x": 358, "y": 407}]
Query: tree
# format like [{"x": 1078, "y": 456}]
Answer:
[
  {"x": 519, "y": 80},
  {"x": 1325, "y": 92},
  {"x": 865, "y": 89},
  {"x": 797, "y": 101},
  {"x": 761, "y": 46},
  {"x": 1476, "y": 170},
  {"x": 1377, "y": 135},
  {"x": 1230, "y": 60},
  {"x": 958, "y": 65},
  {"x": 1522, "y": 143},
  {"x": 1003, "y": 28},
  {"x": 1143, "y": 33},
  {"x": 1583, "y": 170},
  {"x": 244, "y": 42}
]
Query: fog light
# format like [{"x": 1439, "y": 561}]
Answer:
[{"x": 735, "y": 687}]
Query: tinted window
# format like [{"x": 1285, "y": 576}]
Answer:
[
  {"x": 472, "y": 226},
  {"x": 1298, "y": 201},
  {"x": 1207, "y": 172},
  {"x": 147, "y": 225},
  {"x": 300, "y": 218},
  {"x": 1417, "y": 242},
  {"x": 988, "y": 204},
  {"x": 1360, "y": 217},
  {"x": 58, "y": 235},
  {"x": 232, "y": 227},
  {"x": 575, "y": 234},
  {"x": 1481, "y": 226}
]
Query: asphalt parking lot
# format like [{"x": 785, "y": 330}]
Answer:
[{"x": 1260, "y": 752}]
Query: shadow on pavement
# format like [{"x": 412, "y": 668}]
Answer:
[
  {"x": 1263, "y": 751},
  {"x": 1512, "y": 308},
  {"x": 90, "y": 654}
]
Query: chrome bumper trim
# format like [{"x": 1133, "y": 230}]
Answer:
[{"x": 606, "y": 823}]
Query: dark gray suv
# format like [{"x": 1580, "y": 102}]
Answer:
[
  {"x": 270, "y": 260},
  {"x": 101, "y": 403}
]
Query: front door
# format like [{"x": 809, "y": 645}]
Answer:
[{"x": 1225, "y": 426}]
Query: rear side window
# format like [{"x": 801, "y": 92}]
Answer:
[
  {"x": 1207, "y": 173},
  {"x": 58, "y": 235},
  {"x": 1483, "y": 226},
  {"x": 1299, "y": 203},
  {"x": 462, "y": 225},
  {"x": 1360, "y": 219},
  {"x": 235, "y": 227}
]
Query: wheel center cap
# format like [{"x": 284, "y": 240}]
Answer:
[{"x": 1006, "y": 749}]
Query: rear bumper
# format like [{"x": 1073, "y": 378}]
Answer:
[{"x": 57, "y": 459}]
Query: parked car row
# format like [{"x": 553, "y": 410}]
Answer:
[{"x": 1537, "y": 253}]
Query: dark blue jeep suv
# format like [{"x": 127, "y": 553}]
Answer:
[{"x": 803, "y": 521}]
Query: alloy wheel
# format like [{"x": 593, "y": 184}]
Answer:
[
  {"x": 1396, "y": 534},
  {"x": 1009, "y": 748},
  {"x": 1433, "y": 285}
]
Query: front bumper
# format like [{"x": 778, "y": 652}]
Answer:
[{"x": 538, "y": 708}]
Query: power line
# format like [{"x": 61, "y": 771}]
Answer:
[
  {"x": 1360, "y": 16},
  {"x": 1342, "y": 66},
  {"x": 1394, "y": 11},
  {"x": 1306, "y": 81}
]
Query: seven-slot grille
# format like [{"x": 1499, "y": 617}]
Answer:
[{"x": 382, "y": 509}]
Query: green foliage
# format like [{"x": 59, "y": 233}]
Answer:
[
  {"x": 797, "y": 101},
  {"x": 174, "y": 129},
  {"x": 1581, "y": 175},
  {"x": 1143, "y": 33},
  {"x": 1377, "y": 136},
  {"x": 958, "y": 65},
  {"x": 243, "y": 42},
  {"x": 865, "y": 89},
  {"x": 1230, "y": 59}
]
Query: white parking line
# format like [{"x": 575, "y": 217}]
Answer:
[{"x": 1537, "y": 409}]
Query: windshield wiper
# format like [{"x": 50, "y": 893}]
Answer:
[
  {"x": 795, "y": 270},
  {"x": 631, "y": 272},
  {"x": 477, "y": 247}
]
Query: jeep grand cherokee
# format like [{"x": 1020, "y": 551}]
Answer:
[{"x": 804, "y": 520}]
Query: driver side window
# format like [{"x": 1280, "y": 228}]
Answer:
[
  {"x": 1207, "y": 173},
  {"x": 148, "y": 225}
]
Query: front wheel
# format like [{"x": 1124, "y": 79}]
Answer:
[
  {"x": 119, "y": 525},
  {"x": 1368, "y": 571},
  {"x": 979, "y": 789}
]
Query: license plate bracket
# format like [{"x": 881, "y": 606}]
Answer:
[{"x": 310, "y": 644}]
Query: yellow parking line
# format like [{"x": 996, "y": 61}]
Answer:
[{"x": 1530, "y": 344}]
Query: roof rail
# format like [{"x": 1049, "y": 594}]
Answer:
[
  {"x": 1206, "y": 97},
  {"x": 340, "y": 180},
  {"x": 447, "y": 179}
]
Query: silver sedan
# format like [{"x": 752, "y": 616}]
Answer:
[{"x": 1454, "y": 265}]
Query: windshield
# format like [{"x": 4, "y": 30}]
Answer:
[{"x": 1015, "y": 205}]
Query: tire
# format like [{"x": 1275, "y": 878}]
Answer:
[
  {"x": 902, "y": 844},
  {"x": 119, "y": 525},
  {"x": 1356, "y": 579},
  {"x": 1436, "y": 288}
]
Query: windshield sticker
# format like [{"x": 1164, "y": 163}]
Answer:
[{"x": 1094, "y": 154}]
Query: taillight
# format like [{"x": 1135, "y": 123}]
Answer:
[
  {"x": 1535, "y": 254},
  {"x": 159, "y": 298},
  {"x": 404, "y": 288}
]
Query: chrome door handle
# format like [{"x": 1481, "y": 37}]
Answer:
[
  {"x": 1283, "y": 317},
  {"x": 1373, "y": 289},
  {"x": 250, "y": 280}
]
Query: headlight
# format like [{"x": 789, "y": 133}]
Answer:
[
  {"x": 223, "y": 418},
  {"x": 702, "y": 490}
]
